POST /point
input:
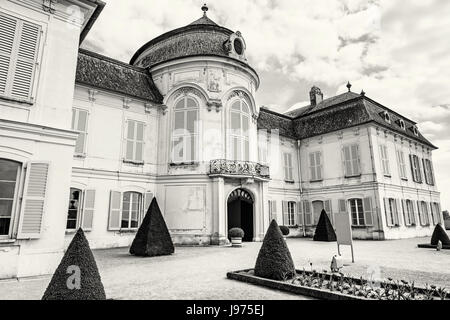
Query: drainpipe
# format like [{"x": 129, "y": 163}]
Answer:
[{"x": 299, "y": 144}]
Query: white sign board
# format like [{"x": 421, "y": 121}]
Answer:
[{"x": 344, "y": 231}]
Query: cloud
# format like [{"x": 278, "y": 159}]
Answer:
[{"x": 397, "y": 51}]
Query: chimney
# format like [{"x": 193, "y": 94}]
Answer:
[{"x": 316, "y": 96}]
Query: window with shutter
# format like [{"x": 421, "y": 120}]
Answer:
[
  {"x": 33, "y": 200},
  {"x": 80, "y": 125},
  {"x": 308, "y": 213},
  {"x": 19, "y": 43},
  {"x": 342, "y": 206},
  {"x": 300, "y": 218},
  {"x": 285, "y": 212},
  {"x": 273, "y": 210},
  {"x": 329, "y": 210},
  {"x": 115, "y": 209},
  {"x": 134, "y": 142},
  {"x": 315, "y": 164},
  {"x": 9, "y": 181},
  {"x": 351, "y": 160},
  {"x": 385, "y": 160},
  {"x": 368, "y": 212},
  {"x": 74, "y": 210},
  {"x": 288, "y": 169},
  {"x": 388, "y": 210},
  {"x": 401, "y": 164},
  {"x": 88, "y": 210},
  {"x": 357, "y": 212}
]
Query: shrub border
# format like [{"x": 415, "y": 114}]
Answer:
[{"x": 302, "y": 290}]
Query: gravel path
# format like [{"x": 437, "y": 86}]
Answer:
[{"x": 200, "y": 273}]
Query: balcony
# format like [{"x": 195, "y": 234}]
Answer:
[{"x": 239, "y": 169}]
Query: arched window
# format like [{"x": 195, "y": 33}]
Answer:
[
  {"x": 185, "y": 131},
  {"x": 239, "y": 131},
  {"x": 9, "y": 177}
]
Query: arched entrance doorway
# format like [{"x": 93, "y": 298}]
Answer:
[{"x": 240, "y": 213}]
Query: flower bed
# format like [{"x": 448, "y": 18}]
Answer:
[{"x": 340, "y": 287}]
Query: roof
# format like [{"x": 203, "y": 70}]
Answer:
[
  {"x": 337, "y": 113},
  {"x": 101, "y": 72},
  {"x": 204, "y": 20},
  {"x": 323, "y": 105},
  {"x": 100, "y": 5}
]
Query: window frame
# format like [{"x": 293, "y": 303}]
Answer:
[
  {"x": 139, "y": 213},
  {"x": 14, "y": 215},
  {"x": 13, "y": 57},
  {"x": 408, "y": 211},
  {"x": 242, "y": 137},
  {"x": 79, "y": 210},
  {"x": 415, "y": 169},
  {"x": 186, "y": 134},
  {"x": 291, "y": 207},
  {"x": 358, "y": 214}
]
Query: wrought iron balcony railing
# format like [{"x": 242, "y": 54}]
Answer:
[{"x": 239, "y": 168}]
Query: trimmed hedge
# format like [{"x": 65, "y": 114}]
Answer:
[
  {"x": 324, "y": 230},
  {"x": 274, "y": 259},
  {"x": 285, "y": 230},
  {"x": 236, "y": 233},
  {"x": 153, "y": 238},
  {"x": 78, "y": 257},
  {"x": 440, "y": 234}
]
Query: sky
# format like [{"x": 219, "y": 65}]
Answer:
[{"x": 397, "y": 51}]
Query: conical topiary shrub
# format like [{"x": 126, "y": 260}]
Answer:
[
  {"x": 324, "y": 229},
  {"x": 274, "y": 259},
  {"x": 77, "y": 276},
  {"x": 153, "y": 237},
  {"x": 439, "y": 234}
]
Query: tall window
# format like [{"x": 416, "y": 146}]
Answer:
[
  {"x": 73, "y": 215},
  {"x": 239, "y": 133},
  {"x": 385, "y": 160},
  {"x": 408, "y": 213},
  {"x": 357, "y": 212},
  {"x": 9, "y": 177},
  {"x": 185, "y": 131},
  {"x": 80, "y": 124},
  {"x": 315, "y": 165},
  {"x": 428, "y": 172},
  {"x": 288, "y": 167},
  {"x": 401, "y": 164},
  {"x": 289, "y": 213},
  {"x": 263, "y": 146},
  {"x": 423, "y": 213},
  {"x": 131, "y": 210},
  {"x": 435, "y": 210},
  {"x": 351, "y": 160},
  {"x": 391, "y": 210},
  {"x": 19, "y": 45},
  {"x": 415, "y": 168},
  {"x": 134, "y": 144}
]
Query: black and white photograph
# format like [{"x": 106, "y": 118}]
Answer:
[{"x": 249, "y": 151}]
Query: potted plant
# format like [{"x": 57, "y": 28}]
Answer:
[
  {"x": 236, "y": 235},
  {"x": 284, "y": 231}
]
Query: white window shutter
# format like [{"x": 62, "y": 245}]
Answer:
[
  {"x": 33, "y": 203},
  {"x": 115, "y": 210},
  {"x": 413, "y": 213},
  {"x": 25, "y": 63},
  {"x": 307, "y": 212},
  {"x": 88, "y": 210},
  {"x": 285, "y": 213},
  {"x": 8, "y": 27},
  {"x": 388, "y": 212},
  {"x": 406, "y": 216},
  {"x": 300, "y": 213},
  {"x": 368, "y": 211},
  {"x": 148, "y": 201}
]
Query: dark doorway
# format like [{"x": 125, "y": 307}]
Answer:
[{"x": 240, "y": 213}]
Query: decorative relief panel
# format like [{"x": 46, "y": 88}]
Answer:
[{"x": 188, "y": 90}]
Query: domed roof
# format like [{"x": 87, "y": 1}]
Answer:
[{"x": 202, "y": 37}]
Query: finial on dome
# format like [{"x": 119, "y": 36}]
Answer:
[
  {"x": 349, "y": 86},
  {"x": 205, "y": 9},
  {"x": 363, "y": 93}
]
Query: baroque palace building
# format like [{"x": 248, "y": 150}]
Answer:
[{"x": 88, "y": 141}]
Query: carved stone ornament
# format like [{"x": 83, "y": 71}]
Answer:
[
  {"x": 214, "y": 104},
  {"x": 186, "y": 91},
  {"x": 215, "y": 81}
]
